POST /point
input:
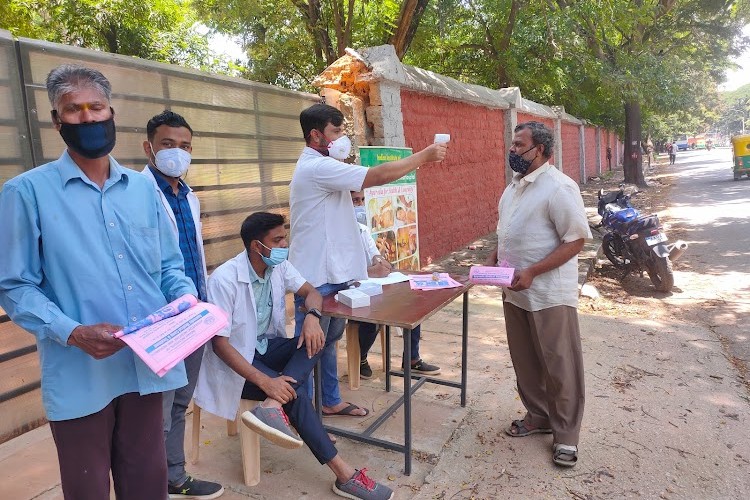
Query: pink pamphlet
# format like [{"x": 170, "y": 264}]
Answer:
[
  {"x": 172, "y": 333},
  {"x": 491, "y": 275},
  {"x": 434, "y": 281}
]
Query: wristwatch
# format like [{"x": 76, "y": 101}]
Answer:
[{"x": 315, "y": 313}]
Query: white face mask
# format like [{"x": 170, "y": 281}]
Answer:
[
  {"x": 172, "y": 162},
  {"x": 360, "y": 213},
  {"x": 340, "y": 148}
]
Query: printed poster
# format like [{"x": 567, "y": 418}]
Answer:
[{"x": 392, "y": 210}]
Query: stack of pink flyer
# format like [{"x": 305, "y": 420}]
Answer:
[
  {"x": 491, "y": 275},
  {"x": 434, "y": 281},
  {"x": 174, "y": 332}
]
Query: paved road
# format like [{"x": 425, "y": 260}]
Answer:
[{"x": 714, "y": 211}]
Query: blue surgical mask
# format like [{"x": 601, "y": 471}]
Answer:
[{"x": 278, "y": 255}]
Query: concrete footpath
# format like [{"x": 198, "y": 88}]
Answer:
[{"x": 666, "y": 417}]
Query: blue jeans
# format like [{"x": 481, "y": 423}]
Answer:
[
  {"x": 369, "y": 331},
  {"x": 333, "y": 328},
  {"x": 283, "y": 357},
  {"x": 174, "y": 406}
]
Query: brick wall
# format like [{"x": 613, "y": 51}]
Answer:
[
  {"x": 571, "y": 151},
  {"x": 590, "y": 143},
  {"x": 457, "y": 198}
]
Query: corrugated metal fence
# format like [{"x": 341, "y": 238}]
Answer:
[{"x": 246, "y": 142}]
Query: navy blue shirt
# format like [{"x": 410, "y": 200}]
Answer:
[{"x": 191, "y": 254}]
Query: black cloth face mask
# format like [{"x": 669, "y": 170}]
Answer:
[
  {"x": 90, "y": 140},
  {"x": 517, "y": 162}
]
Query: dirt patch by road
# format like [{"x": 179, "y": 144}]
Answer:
[{"x": 631, "y": 295}]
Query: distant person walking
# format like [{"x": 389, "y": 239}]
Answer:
[{"x": 672, "y": 150}]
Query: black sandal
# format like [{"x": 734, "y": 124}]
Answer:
[{"x": 518, "y": 429}]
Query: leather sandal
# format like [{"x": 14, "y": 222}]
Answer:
[
  {"x": 565, "y": 455},
  {"x": 518, "y": 429}
]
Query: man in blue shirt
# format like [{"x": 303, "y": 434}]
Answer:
[
  {"x": 87, "y": 249},
  {"x": 168, "y": 146}
]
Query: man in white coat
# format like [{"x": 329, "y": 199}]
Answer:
[
  {"x": 253, "y": 359},
  {"x": 168, "y": 146}
]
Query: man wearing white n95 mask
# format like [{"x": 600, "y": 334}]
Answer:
[{"x": 168, "y": 146}]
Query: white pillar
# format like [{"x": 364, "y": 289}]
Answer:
[
  {"x": 558, "y": 145},
  {"x": 511, "y": 121},
  {"x": 582, "y": 151}
]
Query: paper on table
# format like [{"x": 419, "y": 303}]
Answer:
[
  {"x": 168, "y": 341},
  {"x": 395, "y": 277},
  {"x": 435, "y": 281}
]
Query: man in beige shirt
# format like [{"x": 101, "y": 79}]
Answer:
[{"x": 541, "y": 229}]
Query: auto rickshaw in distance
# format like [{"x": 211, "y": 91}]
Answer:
[{"x": 741, "y": 150}]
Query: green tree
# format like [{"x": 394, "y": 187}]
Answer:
[
  {"x": 159, "y": 30},
  {"x": 653, "y": 54},
  {"x": 289, "y": 42}
]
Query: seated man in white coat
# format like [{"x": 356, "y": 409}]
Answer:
[{"x": 253, "y": 359}]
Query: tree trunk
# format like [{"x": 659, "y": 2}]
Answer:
[
  {"x": 502, "y": 67},
  {"x": 407, "y": 24},
  {"x": 633, "y": 161}
]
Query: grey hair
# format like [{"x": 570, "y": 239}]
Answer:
[
  {"x": 71, "y": 77},
  {"x": 540, "y": 134}
]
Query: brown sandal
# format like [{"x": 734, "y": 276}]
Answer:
[
  {"x": 518, "y": 429},
  {"x": 565, "y": 455}
]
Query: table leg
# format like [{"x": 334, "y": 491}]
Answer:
[
  {"x": 387, "y": 358},
  {"x": 318, "y": 389},
  {"x": 407, "y": 400},
  {"x": 464, "y": 347},
  {"x": 353, "y": 353}
]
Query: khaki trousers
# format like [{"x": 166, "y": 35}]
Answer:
[{"x": 545, "y": 347}]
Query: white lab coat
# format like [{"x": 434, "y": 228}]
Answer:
[
  {"x": 219, "y": 388},
  {"x": 195, "y": 210}
]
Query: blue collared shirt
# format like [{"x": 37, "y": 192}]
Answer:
[
  {"x": 74, "y": 254},
  {"x": 183, "y": 216},
  {"x": 263, "y": 304}
]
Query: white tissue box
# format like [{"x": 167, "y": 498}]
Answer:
[
  {"x": 353, "y": 298},
  {"x": 370, "y": 289}
]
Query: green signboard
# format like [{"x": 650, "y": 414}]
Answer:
[{"x": 372, "y": 156}]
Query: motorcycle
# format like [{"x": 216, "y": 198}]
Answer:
[{"x": 635, "y": 242}]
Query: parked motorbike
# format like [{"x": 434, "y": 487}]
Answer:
[{"x": 635, "y": 242}]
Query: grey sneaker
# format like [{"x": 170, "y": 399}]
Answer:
[
  {"x": 272, "y": 424},
  {"x": 424, "y": 368},
  {"x": 362, "y": 487}
]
